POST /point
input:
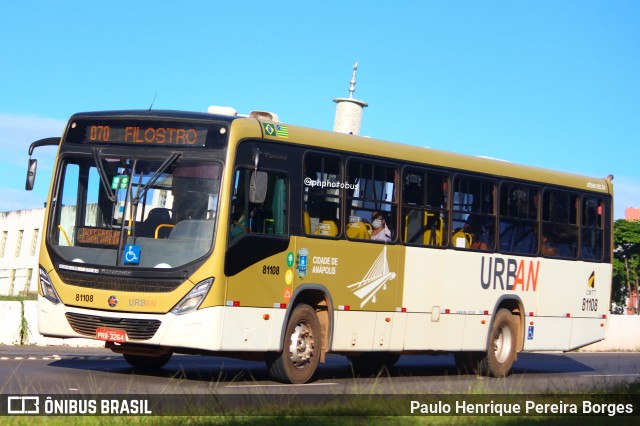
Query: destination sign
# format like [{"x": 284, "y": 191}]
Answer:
[
  {"x": 98, "y": 236},
  {"x": 146, "y": 135}
]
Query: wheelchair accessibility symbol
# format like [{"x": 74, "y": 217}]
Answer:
[{"x": 131, "y": 254}]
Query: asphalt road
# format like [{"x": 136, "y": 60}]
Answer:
[{"x": 63, "y": 370}]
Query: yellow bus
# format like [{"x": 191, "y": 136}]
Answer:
[{"x": 178, "y": 232}]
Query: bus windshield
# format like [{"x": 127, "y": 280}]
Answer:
[{"x": 123, "y": 211}]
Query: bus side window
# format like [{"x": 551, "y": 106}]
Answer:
[
  {"x": 518, "y": 219},
  {"x": 559, "y": 224},
  {"x": 322, "y": 202},
  {"x": 474, "y": 218},
  {"x": 269, "y": 217},
  {"x": 372, "y": 192},
  {"x": 424, "y": 207},
  {"x": 592, "y": 241}
]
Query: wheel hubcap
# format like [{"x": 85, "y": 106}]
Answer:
[
  {"x": 502, "y": 344},
  {"x": 301, "y": 348}
]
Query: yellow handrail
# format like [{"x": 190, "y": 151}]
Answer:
[
  {"x": 66, "y": 237},
  {"x": 163, "y": 225}
]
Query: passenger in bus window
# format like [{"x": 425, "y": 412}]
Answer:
[
  {"x": 381, "y": 231},
  {"x": 479, "y": 232},
  {"x": 548, "y": 247}
]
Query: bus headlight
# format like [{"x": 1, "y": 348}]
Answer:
[
  {"x": 194, "y": 298},
  {"x": 46, "y": 286}
]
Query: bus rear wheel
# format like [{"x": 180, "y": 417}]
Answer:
[
  {"x": 301, "y": 348},
  {"x": 147, "y": 362},
  {"x": 502, "y": 345}
]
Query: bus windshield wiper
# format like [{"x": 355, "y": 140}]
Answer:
[
  {"x": 103, "y": 176},
  {"x": 167, "y": 163}
]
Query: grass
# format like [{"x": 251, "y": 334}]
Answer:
[
  {"x": 24, "y": 329},
  {"x": 18, "y": 298}
]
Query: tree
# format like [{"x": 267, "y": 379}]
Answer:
[{"x": 626, "y": 263}]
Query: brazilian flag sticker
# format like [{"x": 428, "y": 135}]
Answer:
[{"x": 269, "y": 129}]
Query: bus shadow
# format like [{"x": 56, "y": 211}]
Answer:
[
  {"x": 549, "y": 363},
  {"x": 229, "y": 370},
  {"x": 181, "y": 367}
]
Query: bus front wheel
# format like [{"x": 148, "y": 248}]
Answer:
[
  {"x": 301, "y": 348},
  {"x": 502, "y": 345}
]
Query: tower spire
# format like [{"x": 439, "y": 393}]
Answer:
[
  {"x": 352, "y": 86},
  {"x": 349, "y": 110}
]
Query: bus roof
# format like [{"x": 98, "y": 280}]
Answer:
[
  {"x": 154, "y": 114},
  {"x": 428, "y": 156}
]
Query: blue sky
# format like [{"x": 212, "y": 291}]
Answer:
[{"x": 554, "y": 84}]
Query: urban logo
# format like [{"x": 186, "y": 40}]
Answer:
[{"x": 509, "y": 274}]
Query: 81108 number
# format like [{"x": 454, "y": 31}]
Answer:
[
  {"x": 84, "y": 298},
  {"x": 270, "y": 270},
  {"x": 589, "y": 304}
]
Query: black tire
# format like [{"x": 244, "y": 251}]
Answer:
[
  {"x": 502, "y": 345},
  {"x": 469, "y": 362},
  {"x": 144, "y": 362},
  {"x": 301, "y": 348},
  {"x": 373, "y": 363}
]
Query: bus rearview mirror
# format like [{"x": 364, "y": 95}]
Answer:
[
  {"x": 258, "y": 187},
  {"x": 31, "y": 174}
]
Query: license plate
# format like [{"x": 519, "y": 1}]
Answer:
[{"x": 111, "y": 335}]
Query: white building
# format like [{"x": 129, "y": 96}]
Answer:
[{"x": 20, "y": 236}]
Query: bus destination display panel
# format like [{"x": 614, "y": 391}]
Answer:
[{"x": 145, "y": 135}]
